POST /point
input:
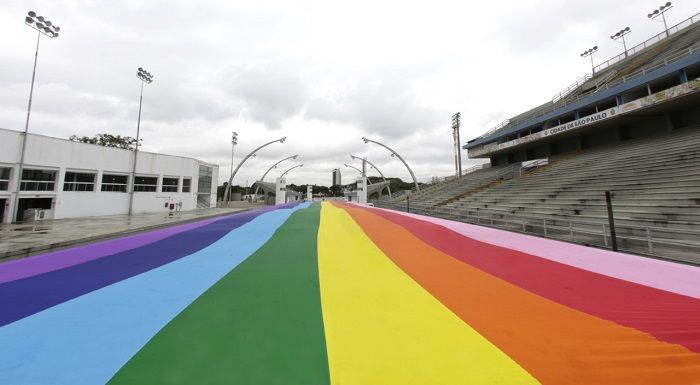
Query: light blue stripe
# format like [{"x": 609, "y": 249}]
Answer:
[{"x": 88, "y": 339}]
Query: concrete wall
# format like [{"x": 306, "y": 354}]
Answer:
[{"x": 61, "y": 155}]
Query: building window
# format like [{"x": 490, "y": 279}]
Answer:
[
  {"x": 37, "y": 180},
  {"x": 79, "y": 181},
  {"x": 186, "y": 184},
  {"x": 145, "y": 184},
  {"x": 114, "y": 183},
  {"x": 4, "y": 178},
  {"x": 204, "y": 183},
  {"x": 170, "y": 184}
]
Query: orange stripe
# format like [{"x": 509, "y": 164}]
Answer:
[{"x": 556, "y": 344}]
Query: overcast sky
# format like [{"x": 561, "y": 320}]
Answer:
[{"x": 322, "y": 73}]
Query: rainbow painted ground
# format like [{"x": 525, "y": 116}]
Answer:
[{"x": 345, "y": 294}]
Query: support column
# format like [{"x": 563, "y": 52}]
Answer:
[
  {"x": 683, "y": 76},
  {"x": 280, "y": 191},
  {"x": 362, "y": 190}
]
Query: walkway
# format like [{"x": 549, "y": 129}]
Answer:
[
  {"x": 22, "y": 239},
  {"x": 337, "y": 293}
]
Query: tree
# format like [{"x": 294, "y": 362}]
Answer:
[
  {"x": 234, "y": 189},
  {"x": 108, "y": 140}
]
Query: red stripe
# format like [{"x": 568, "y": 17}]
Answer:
[{"x": 669, "y": 317}]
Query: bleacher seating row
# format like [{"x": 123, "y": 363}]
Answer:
[{"x": 655, "y": 182}]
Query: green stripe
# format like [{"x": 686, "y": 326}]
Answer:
[{"x": 260, "y": 324}]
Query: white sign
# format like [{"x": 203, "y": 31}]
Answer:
[{"x": 657, "y": 98}]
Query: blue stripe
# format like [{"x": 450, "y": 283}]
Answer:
[{"x": 30, "y": 295}]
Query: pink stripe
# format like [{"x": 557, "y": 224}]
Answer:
[
  {"x": 43, "y": 263},
  {"x": 664, "y": 275}
]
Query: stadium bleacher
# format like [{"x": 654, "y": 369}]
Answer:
[{"x": 647, "y": 156}]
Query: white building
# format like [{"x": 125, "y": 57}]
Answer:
[{"x": 70, "y": 179}]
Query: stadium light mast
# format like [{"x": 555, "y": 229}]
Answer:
[
  {"x": 621, "y": 35},
  {"x": 374, "y": 167},
  {"x": 290, "y": 169},
  {"x": 661, "y": 12},
  {"x": 589, "y": 53},
  {"x": 250, "y": 155},
  {"x": 456, "y": 124},
  {"x": 234, "y": 142},
  {"x": 46, "y": 28},
  {"x": 396, "y": 154},
  {"x": 146, "y": 78}
]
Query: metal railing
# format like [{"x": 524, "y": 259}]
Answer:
[
  {"x": 668, "y": 243},
  {"x": 571, "y": 88},
  {"x": 560, "y": 96}
]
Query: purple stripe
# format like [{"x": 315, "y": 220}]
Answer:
[
  {"x": 39, "y": 264},
  {"x": 23, "y": 297}
]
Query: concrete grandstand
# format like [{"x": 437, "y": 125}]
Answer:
[{"x": 632, "y": 127}]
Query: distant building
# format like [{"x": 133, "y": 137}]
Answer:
[
  {"x": 336, "y": 177},
  {"x": 65, "y": 179}
]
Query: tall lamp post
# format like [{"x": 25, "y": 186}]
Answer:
[
  {"x": 621, "y": 35},
  {"x": 270, "y": 169},
  {"x": 394, "y": 153},
  {"x": 290, "y": 169},
  {"x": 146, "y": 78},
  {"x": 252, "y": 153},
  {"x": 234, "y": 142},
  {"x": 374, "y": 167},
  {"x": 589, "y": 53},
  {"x": 46, "y": 28},
  {"x": 661, "y": 12}
]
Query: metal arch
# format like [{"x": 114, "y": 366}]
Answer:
[
  {"x": 375, "y": 167},
  {"x": 228, "y": 186},
  {"x": 415, "y": 182}
]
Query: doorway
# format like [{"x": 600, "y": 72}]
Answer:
[
  {"x": 32, "y": 203},
  {"x": 2, "y": 209}
]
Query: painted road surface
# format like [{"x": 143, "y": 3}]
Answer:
[{"x": 337, "y": 293}]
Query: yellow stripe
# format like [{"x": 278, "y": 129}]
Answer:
[{"x": 383, "y": 328}]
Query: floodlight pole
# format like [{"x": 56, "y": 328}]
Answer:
[
  {"x": 51, "y": 31},
  {"x": 374, "y": 167},
  {"x": 252, "y": 153},
  {"x": 398, "y": 156},
  {"x": 234, "y": 141},
  {"x": 590, "y": 53},
  {"x": 661, "y": 11},
  {"x": 145, "y": 77},
  {"x": 621, "y": 35}
]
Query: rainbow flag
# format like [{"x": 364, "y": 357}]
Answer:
[{"x": 337, "y": 293}]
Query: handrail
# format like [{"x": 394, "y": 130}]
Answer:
[
  {"x": 578, "y": 83},
  {"x": 594, "y": 233}
]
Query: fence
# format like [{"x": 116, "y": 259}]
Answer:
[{"x": 667, "y": 243}]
